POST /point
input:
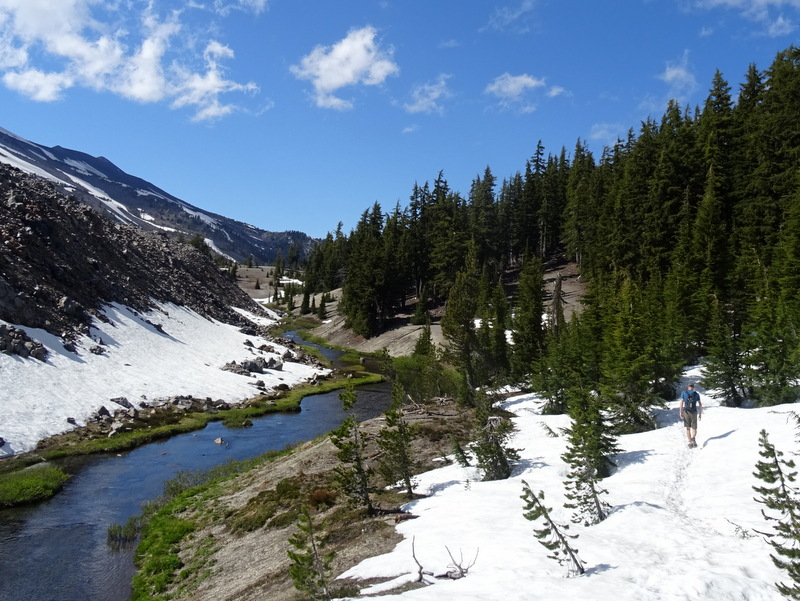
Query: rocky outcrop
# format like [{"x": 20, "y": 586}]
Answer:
[
  {"x": 14, "y": 341},
  {"x": 60, "y": 262}
]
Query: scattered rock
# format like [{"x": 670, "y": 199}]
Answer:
[
  {"x": 121, "y": 400},
  {"x": 15, "y": 341}
]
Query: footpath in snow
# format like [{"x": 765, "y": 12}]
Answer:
[
  {"x": 683, "y": 524},
  {"x": 167, "y": 352}
]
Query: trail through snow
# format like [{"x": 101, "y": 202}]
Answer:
[{"x": 683, "y": 523}]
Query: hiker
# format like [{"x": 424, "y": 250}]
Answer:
[{"x": 690, "y": 410}]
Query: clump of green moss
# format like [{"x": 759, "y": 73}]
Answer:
[{"x": 31, "y": 484}]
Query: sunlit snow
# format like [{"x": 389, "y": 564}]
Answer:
[
  {"x": 139, "y": 362},
  {"x": 684, "y": 524}
]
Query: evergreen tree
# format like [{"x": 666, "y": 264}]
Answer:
[
  {"x": 724, "y": 363},
  {"x": 322, "y": 310},
  {"x": 499, "y": 341},
  {"x": 528, "y": 333},
  {"x": 395, "y": 441},
  {"x": 491, "y": 450},
  {"x": 628, "y": 369},
  {"x": 311, "y": 567},
  {"x": 552, "y": 536},
  {"x": 353, "y": 475},
  {"x": 363, "y": 300},
  {"x": 458, "y": 327},
  {"x": 588, "y": 455},
  {"x": 779, "y": 496}
]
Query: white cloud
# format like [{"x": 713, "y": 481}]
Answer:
[
  {"x": 427, "y": 97},
  {"x": 780, "y": 27},
  {"x": 512, "y": 18},
  {"x": 511, "y": 87},
  {"x": 768, "y": 13},
  {"x": 357, "y": 59},
  {"x": 204, "y": 90},
  {"x": 557, "y": 91},
  {"x": 511, "y": 90},
  {"x": 48, "y": 47},
  {"x": 44, "y": 87},
  {"x": 224, "y": 7},
  {"x": 678, "y": 76},
  {"x": 607, "y": 133}
]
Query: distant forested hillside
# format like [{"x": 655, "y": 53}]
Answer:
[{"x": 687, "y": 233}]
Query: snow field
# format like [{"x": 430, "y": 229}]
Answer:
[
  {"x": 139, "y": 363},
  {"x": 682, "y": 525}
]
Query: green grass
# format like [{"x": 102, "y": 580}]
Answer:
[
  {"x": 30, "y": 485},
  {"x": 164, "y": 527}
]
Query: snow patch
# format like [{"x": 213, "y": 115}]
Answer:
[{"x": 166, "y": 352}]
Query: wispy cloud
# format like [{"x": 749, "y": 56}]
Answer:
[
  {"x": 427, "y": 97},
  {"x": 356, "y": 59},
  {"x": 513, "y": 18},
  {"x": 449, "y": 43},
  {"x": 607, "y": 133},
  {"x": 511, "y": 90},
  {"x": 679, "y": 78},
  {"x": 769, "y": 14},
  {"x": 48, "y": 48},
  {"x": 224, "y": 7}
]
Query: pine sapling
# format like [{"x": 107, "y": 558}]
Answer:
[
  {"x": 310, "y": 569},
  {"x": 585, "y": 494},
  {"x": 491, "y": 450},
  {"x": 395, "y": 442},
  {"x": 552, "y": 536},
  {"x": 353, "y": 475},
  {"x": 780, "y": 497}
]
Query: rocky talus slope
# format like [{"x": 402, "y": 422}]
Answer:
[{"x": 60, "y": 262}]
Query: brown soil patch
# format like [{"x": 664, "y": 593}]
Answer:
[{"x": 253, "y": 566}]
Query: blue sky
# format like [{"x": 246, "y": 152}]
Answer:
[{"x": 298, "y": 114}]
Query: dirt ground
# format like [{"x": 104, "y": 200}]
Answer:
[{"x": 254, "y": 566}]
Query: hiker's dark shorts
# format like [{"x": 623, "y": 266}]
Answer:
[{"x": 690, "y": 419}]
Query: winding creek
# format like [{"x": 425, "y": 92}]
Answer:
[{"x": 57, "y": 551}]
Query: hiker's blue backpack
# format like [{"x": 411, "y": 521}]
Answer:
[{"x": 690, "y": 401}]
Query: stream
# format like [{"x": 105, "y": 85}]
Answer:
[{"x": 57, "y": 551}]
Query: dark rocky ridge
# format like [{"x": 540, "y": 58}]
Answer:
[
  {"x": 131, "y": 200},
  {"x": 61, "y": 261}
]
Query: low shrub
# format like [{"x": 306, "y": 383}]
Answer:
[{"x": 321, "y": 496}]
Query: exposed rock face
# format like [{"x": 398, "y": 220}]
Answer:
[{"x": 60, "y": 262}]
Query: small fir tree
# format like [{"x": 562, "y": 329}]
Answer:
[
  {"x": 588, "y": 453},
  {"x": 353, "y": 475},
  {"x": 551, "y": 535},
  {"x": 310, "y": 569},
  {"x": 780, "y": 497},
  {"x": 492, "y": 453},
  {"x": 397, "y": 463}
]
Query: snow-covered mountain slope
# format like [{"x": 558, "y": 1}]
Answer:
[
  {"x": 684, "y": 523},
  {"x": 134, "y": 201},
  {"x": 91, "y": 310},
  {"x": 144, "y": 357}
]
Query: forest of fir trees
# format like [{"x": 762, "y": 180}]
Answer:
[{"x": 686, "y": 235}]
